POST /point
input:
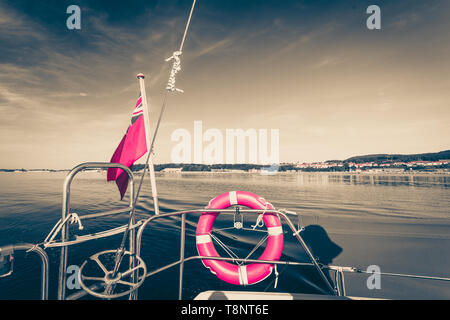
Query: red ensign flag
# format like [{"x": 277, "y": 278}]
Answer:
[{"x": 131, "y": 148}]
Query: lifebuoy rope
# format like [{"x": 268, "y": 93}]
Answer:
[
  {"x": 226, "y": 248},
  {"x": 257, "y": 245},
  {"x": 259, "y": 220},
  {"x": 231, "y": 252},
  {"x": 259, "y": 223},
  {"x": 71, "y": 218}
]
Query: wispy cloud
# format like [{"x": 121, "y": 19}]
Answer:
[
  {"x": 326, "y": 61},
  {"x": 211, "y": 48},
  {"x": 14, "y": 25},
  {"x": 300, "y": 40},
  {"x": 319, "y": 79}
]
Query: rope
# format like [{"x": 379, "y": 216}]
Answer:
[
  {"x": 226, "y": 248},
  {"x": 76, "y": 218},
  {"x": 276, "y": 277},
  {"x": 163, "y": 108},
  {"x": 176, "y": 67},
  {"x": 257, "y": 246},
  {"x": 73, "y": 217},
  {"x": 187, "y": 26},
  {"x": 259, "y": 221},
  {"x": 121, "y": 250}
]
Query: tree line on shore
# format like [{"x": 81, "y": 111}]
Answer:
[
  {"x": 281, "y": 168},
  {"x": 375, "y": 158},
  {"x": 245, "y": 167},
  {"x": 382, "y": 158}
]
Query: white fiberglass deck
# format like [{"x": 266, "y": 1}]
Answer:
[{"x": 255, "y": 295}]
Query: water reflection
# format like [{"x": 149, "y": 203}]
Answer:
[
  {"x": 31, "y": 205},
  {"x": 414, "y": 180}
]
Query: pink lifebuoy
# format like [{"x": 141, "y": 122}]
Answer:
[{"x": 232, "y": 273}]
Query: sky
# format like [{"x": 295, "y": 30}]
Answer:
[{"x": 311, "y": 69}]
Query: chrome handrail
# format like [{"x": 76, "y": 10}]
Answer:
[
  {"x": 66, "y": 208},
  {"x": 44, "y": 259}
]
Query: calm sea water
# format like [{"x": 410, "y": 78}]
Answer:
[{"x": 400, "y": 223}]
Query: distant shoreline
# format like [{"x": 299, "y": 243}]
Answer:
[
  {"x": 406, "y": 173},
  {"x": 437, "y": 162},
  {"x": 32, "y": 170},
  {"x": 336, "y": 173}
]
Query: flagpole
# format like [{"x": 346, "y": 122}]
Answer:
[
  {"x": 151, "y": 170},
  {"x": 170, "y": 87}
]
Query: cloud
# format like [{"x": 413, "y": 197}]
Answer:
[
  {"x": 316, "y": 79},
  {"x": 405, "y": 20},
  {"x": 326, "y": 61},
  {"x": 14, "y": 25},
  {"x": 299, "y": 40},
  {"x": 212, "y": 48}
]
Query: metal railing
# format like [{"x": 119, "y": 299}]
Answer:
[
  {"x": 63, "y": 228},
  {"x": 9, "y": 250},
  {"x": 66, "y": 212},
  {"x": 337, "y": 288},
  {"x": 183, "y": 259}
]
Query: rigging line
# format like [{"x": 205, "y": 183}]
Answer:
[
  {"x": 226, "y": 248},
  {"x": 187, "y": 26},
  {"x": 221, "y": 229},
  {"x": 163, "y": 107},
  {"x": 263, "y": 239},
  {"x": 120, "y": 250}
]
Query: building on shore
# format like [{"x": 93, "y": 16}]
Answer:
[{"x": 172, "y": 170}]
